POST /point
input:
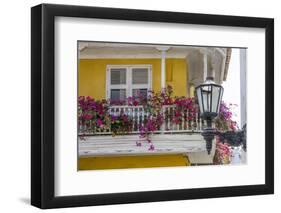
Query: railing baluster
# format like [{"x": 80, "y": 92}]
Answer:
[
  {"x": 91, "y": 127},
  {"x": 168, "y": 118},
  {"x": 142, "y": 118},
  {"x": 138, "y": 118},
  {"x": 182, "y": 120},
  {"x": 172, "y": 117},
  {"x": 178, "y": 123},
  {"x": 187, "y": 120},
  {"x": 195, "y": 122},
  {"x": 134, "y": 119},
  {"x": 163, "y": 110},
  {"x": 109, "y": 126},
  {"x": 189, "y": 123}
]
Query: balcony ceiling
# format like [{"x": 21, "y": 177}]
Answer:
[
  {"x": 220, "y": 57},
  {"x": 90, "y": 50}
]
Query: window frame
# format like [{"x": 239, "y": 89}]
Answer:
[{"x": 129, "y": 86}]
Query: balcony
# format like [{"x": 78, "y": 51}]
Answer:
[{"x": 180, "y": 137}]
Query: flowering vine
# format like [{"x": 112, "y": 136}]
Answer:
[
  {"x": 94, "y": 115},
  {"x": 222, "y": 152},
  {"x": 224, "y": 122}
]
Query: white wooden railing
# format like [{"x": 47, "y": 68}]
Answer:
[
  {"x": 170, "y": 138},
  {"x": 138, "y": 116}
]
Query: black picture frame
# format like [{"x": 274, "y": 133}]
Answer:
[{"x": 43, "y": 105}]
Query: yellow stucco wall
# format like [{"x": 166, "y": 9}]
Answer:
[
  {"x": 92, "y": 82},
  {"x": 92, "y": 75},
  {"x": 125, "y": 162}
]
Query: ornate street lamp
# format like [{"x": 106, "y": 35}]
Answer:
[{"x": 209, "y": 97}]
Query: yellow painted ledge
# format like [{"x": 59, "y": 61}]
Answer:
[{"x": 124, "y": 162}]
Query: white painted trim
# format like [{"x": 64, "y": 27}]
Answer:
[{"x": 126, "y": 145}]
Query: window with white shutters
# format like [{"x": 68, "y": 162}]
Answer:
[{"x": 124, "y": 81}]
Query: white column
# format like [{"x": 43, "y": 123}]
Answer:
[
  {"x": 163, "y": 65},
  {"x": 243, "y": 89},
  {"x": 205, "y": 65},
  {"x": 163, "y": 68}
]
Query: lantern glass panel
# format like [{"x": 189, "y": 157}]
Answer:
[
  {"x": 199, "y": 98},
  {"x": 206, "y": 93},
  {"x": 215, "y": 98}
]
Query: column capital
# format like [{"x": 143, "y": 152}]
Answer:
[{"x": 163, "y": 48}]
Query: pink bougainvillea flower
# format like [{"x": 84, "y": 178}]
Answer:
[
  {"x": 99, "y": 122},
  {"x": 151, "y": 147},
  {"x": 138, "y": 143},
  {"x": 114, "y": 117},
  {"x": 87, "y": 116}
]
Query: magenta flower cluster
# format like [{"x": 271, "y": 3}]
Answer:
[
  {"x": 185, "y": 110},
  {"x": 225, "y": 119},
  {"x": 222, "y": 153},
  {"x": 225, "y": 111},
  {"x": 92, "y": 113}
]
